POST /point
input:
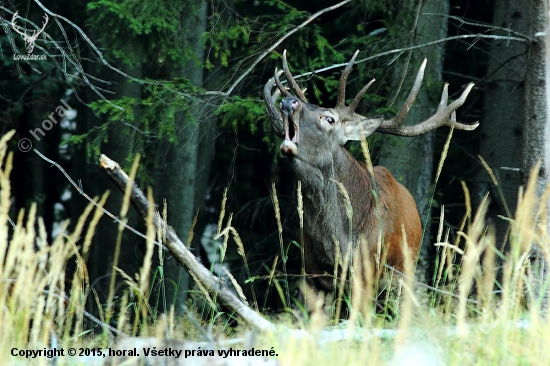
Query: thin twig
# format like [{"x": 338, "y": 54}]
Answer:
[
  {"x": 180, "y": 251},
  {"x": 84, "y": 312},
  {"x": 409, "y": 55},
  {"x": 83, "y": 34},
  {"x": 89, "y": 315},
  {"x": 74, "y": 62},
  {"x": 477, "y": 24},
  {"x": 430, "y": 287},
  {"x": 92, "y": 201},
  {"x": 276, "y": 44},
  {"x": 174, "y": 244},
  {"x": 225, "y": 93},
  {"x": 86, "y": 77},
  {"x": 401, "y": 50}
]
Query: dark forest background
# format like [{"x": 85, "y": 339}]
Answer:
[{"x": 180, "y": 83}]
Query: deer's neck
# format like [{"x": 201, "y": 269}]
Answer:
[{"x": 327, "y": 215}]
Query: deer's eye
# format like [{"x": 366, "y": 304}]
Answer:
[{"x": 330, "y": 120}]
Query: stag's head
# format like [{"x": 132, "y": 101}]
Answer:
[
  {"x": 29, "y": 39},
  {"x": 311, "y": 132}
]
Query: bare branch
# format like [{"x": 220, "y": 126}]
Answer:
[
  {"x": 276, "y": 44},
  {"x": 92, "y": 201},
  {"x": 180, "y": 251},
  {"x": 489, "y": 27},
  {"x": 87, "y": 78},
  {"x": 402, "y": 50}
]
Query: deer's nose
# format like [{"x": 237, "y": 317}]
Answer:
[{"x": 289, "y": 105}]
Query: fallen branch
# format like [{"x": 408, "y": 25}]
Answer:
[
  {"x": 90, "y": 199},
  {"x": 179, "y": 250}
]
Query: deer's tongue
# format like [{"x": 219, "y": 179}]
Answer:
[{"x": 289, "y": 146}]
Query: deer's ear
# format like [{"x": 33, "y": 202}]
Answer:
[{"x": 352, "y": 129}]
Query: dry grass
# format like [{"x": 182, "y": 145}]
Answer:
[{"x": 504, "y": 326}]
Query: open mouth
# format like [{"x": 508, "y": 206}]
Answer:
[
  {"x": 291, "y": 129},
  {"x": 289, "y": 146},
  {"x": 289, "y": 108}
]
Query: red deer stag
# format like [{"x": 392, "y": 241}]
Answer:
[{"x": 314, "y": 139}]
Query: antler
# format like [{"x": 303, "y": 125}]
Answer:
[
  {"x": 341, "y": 97},
  {"x": 271, "y": 99},
  {"x": 293, "y": 84},
  {"x": 37, "y": 33},
  {"x": 444, "y": 116},
  {"x": 14, "y": 26}
]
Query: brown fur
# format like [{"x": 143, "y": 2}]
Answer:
[
  {"x": 381, "y": 207},
  {"x": 393, "y": 208},
  {"x": 314, "y": 139}
]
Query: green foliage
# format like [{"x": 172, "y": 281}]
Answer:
[
  {"x": 163, "y": 104},
  {"x": 242, "y": 112},
  {"x": 117, "y": 110},
  {"x": 92, "y": 139},
  {"x": 141, "y": 17},
  {"x": 222, "y": 40},
  {"x": 144, "y": 33},
  {"x": 141, "y": 29}
]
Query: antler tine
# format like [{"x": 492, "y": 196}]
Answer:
[
  {"x": 271, "y": 99},
  {"x": 397, "y": 120},
  {"x": 359, "y": 95},
  {"x": 444, "y": 116},
  {"x": 46, "y": 18},
  {"x": 277, "y": 93},
  {"x": 341, "y": 99},
  {"x": 14, "y": 26},
  {"x": 457, "y": 104},
  {"x": 291, "y": 80},
  {"x": 279, "y": 84}
]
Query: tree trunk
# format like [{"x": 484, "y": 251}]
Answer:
[
  {"x": 184, "y": 167},
  {"x": 503, "y": 116},
  {"x": 544, "y": 258},
  {"x": 101, "y": 255},
  {"x": 535, "y": 122},
  {"x": 410, "y": 160}
]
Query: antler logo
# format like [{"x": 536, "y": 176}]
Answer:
[{"x": 29, "y": 39}]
